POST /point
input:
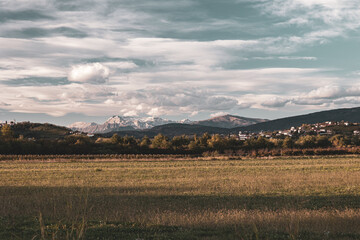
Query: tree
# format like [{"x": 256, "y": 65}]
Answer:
[
  {"x": 233, "y": 143},
  {"x": 338, "y": 141},
  {"x": 145, "y": 142},
  {"x": 203, "y": 140},
  {"x": 216, "y": 142},
  {"x": 194, "y": 146},
  {"x": 129, "y": 141},
  {"x": 250, "y": 143},
  {"x": 277, "y": 143},
  {"x": 262, "y": 142},
  {"x": 322, "y": 141},
  {"x": 288, "y": 142},
  {"x": 306, "y": 141},
  {"x": 179, "y": 142},
  {"x": 355, "y": 141},
  {"x": 258, "y": 143},
  {"x": 160, "y": 141},
  {"x": 115, "y": 139},
  {"x": 6, "y": 131}
]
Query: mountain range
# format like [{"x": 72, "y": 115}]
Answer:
[
  {"x": 227, "y": 124},
  {"x": 119, "y": 123},
  {"x": 152, "y": 126}
]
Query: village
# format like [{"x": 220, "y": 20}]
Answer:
[{"x": 328, "y": 128}]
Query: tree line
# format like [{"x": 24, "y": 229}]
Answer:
[{"x": 205, "y": 144}]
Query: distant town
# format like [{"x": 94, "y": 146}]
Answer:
[{"x": 327, "y": 128}]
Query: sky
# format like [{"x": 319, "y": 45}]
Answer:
[{"x": 85, "y": 60}]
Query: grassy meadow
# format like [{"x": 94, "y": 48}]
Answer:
[{"x": 180, "y": 198}]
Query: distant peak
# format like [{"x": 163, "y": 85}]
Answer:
[
  {"x": 230, "y": 121},
  {"x": 225, "y": 116},
  {"x": 76, "y": 125},
  {"x": 186, "y": 121},
  {"x": 116, "y": 122}
]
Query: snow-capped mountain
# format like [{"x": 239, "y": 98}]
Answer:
[
  {"x": 119, "y": 123},
  {"x": 186, "y": 121},
  {"x": 80, "y": 125},
  {"x": 136, "y": 123}
]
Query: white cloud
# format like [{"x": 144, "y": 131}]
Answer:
[
  {"x": 132, "y": 113},
  {"x": 347, "y": 100},
  {"x": 310, "y": 101},
  {"x": 333, "y": 92},
  {"x": 175, "y": 100},
  {"x": 194, "y": 113},
  {"x": 199, "y": 91},
  {"x": 275, "y": 102},
  {"x": 157, "y": 111},
  {"x": 206, "y": 53},
  {"x": 317, "y": 21},
  {"x": 334, "y": 13},
  {"x": 158, "y": 74},
  {"x": 297, "y": 58},
  {"x": 217, "y": 114},
  {"x": 122, "y": 65},
  {"x": 89, "y": 73},
  {"x": 329, "y": 92},
  {"x": 295, "y": 21},
  {"x": 285, "y": 58},
  {"x": 22, "y": 67},
  {"x": 323, "y": 96}
]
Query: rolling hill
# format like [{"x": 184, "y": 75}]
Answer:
[
  {"x": 230, "y": 121},
  {"x": 344, "y": 114},
  {"x": 40, "y": 130},
  {"x": 171, "y": 130}
]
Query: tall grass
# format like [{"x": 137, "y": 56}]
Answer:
[{"x": 243, "y": 199}]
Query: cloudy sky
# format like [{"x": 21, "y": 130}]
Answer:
[{"x": 85, "y": 60}]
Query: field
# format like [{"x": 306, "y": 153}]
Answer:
[{"x": 180, "y": 198}]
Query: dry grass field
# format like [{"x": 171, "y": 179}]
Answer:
[{"x": 218, "y": 198}]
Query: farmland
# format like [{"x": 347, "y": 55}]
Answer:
[{"x": 180, "y": 198}]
